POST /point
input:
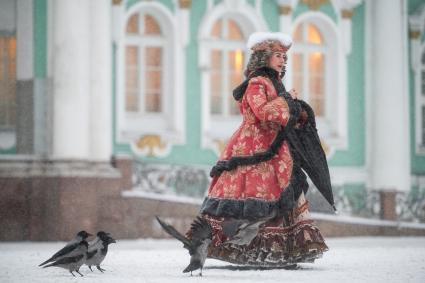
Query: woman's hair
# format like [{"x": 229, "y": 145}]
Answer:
[{"x": 260, "y": 59}]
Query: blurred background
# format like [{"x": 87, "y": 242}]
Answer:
[{"x": 114, "y": 111}]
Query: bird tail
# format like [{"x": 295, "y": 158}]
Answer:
[
  {"x": 47, "y": 261},
  {"x": 192, "y": 266},
  {"x": 52, "y": 264},
  {"x": 173, "y": 232}
]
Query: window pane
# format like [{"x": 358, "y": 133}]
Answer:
[
  {"x": 133, "y": 24},
  {"x": 7, "y": 82},
  {"x": 236, "y": 59},
  {"x": 297, "y": 72},
  {"x": 132, "y": 78},
  {"x": 316, "y": 82},
  {"x": 313, "y": 34},
  {"x": 216, "y": 59},
  {"x": 153, "y": 80},
  {"x": 298, "y": 36},
  {"x": 151, "y": 25},
  {"x": 153, "y": 56},
  {"x": 234, "y": 32},
  {"x": 216, "y": 102},
  {"x": 153, "y": 101},
  {"x": 216, "y": 30}
]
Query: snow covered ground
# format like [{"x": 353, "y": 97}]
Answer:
[{"x": 362, "y": 259}]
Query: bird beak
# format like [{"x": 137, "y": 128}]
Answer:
[
  {"x": 88, "y": 234},
  {"x": 112, "y": 240}
]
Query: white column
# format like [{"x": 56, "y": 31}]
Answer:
[
  {"x": 71, "y": 78},
  {"x": 390, "y": 160},
  {"x": 101, "y": 80}
]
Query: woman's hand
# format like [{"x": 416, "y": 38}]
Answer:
[{"x": 293, "y": 93}]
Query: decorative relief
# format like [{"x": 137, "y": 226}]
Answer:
[
  {"x": 185, "y": 4},
  {"x": 414, "y": 34},
  {"x": 315, "y": 4},
  {"x": 285, "y": 10},
  {"x": 347, "y": 14},
  {"x": 171, "y": 180},
  {"x": 362, "y": 202},
  {"x": 150, "y": 144}
]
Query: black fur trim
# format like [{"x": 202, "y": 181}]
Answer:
[{"x": 251, "y": 208}]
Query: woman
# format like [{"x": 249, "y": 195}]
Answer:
[{"x": 258, "y": 186}]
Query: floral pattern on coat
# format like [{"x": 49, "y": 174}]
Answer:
[{"x": 264, "y": 112}]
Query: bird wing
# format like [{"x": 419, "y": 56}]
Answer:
[
  {"x": 173, "y": 232},
  {"x": 64, "y": 251},
  {"x": 66, "y": 260},
  {"x": 95, "y": 245},
  {"x": 201, "y": 229},
  {"x": 91, "y": 254},
  {"x": 231, "y": 227}
]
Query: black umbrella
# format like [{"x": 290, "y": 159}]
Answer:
[{"x": 306, "y": 144}]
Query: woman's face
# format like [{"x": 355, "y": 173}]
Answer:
[{"x": 277, "y": 61}]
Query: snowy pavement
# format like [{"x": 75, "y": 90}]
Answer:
[{"x": 362, "y": 259}]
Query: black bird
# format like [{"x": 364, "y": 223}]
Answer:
[
  {"x": 73, "y": 262},
  {"x": 72, "y": 245},
  {"x": 197, "y": 245},
  {"x": 98, "y": 248},
  {"x": 241, "y": 231}
]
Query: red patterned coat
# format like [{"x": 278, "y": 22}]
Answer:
[{"x": 263, "y": 111}]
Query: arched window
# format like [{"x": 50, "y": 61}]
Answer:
[
  {"x": 150, "y": 95},
  {"x": 309, "y": 60},
  {"x": 317, "y": 69},
  {"x": 227, "y": 65},
  {"x": 144, "y": 65},
  {"x": 222, "y": 60}
]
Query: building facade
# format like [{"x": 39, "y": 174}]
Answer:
[{"x": 135, "y": 96}]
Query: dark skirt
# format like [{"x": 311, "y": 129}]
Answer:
[{"x": 281, "y": 241}]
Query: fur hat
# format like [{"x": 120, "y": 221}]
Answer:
[{"x": 274, "y": 41}]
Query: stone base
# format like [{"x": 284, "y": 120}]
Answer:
[{"x": 53, "y": 199}]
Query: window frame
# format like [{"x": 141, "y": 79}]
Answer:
[
  {"x": 333, "y": 124},
  {"x": 216, "y": 130},
  {"x": 169, "y": 123}
]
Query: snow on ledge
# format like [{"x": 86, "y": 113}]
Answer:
[
  {"x": 314, "y": 215},
  {"x": 366, "y": 221},
  {"x": 162, "y": 197}
]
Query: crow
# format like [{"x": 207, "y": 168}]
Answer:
[
  {"x": 98, "y": 248},
  {"x": 241, "y": 231},
  {"x": 197, "y": 245},
  {"x": 72, "y": 245},
  {"x": 73, "y": 262}
]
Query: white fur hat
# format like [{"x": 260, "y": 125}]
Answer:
[{"x": 265, "y": 40}]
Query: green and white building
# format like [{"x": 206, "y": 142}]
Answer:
[{"x": 151, "y": 80}]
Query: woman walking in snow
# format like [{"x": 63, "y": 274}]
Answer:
[{"x": 255, "y": 204}]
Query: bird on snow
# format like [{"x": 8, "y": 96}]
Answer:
[
  {"x": 73, "y": 261},
  {"x": 197, "y": 245},
  {"x": 242, "y": 231},
  {"x": 98, "y": 248},
  {"x": 69, "y": 248}
]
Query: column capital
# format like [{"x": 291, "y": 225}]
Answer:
[
  {"x": 315, "y": 4},
  {"x": 347, "y": 14},
  {"x": 117, "y": 2},
  {"x": 185, "y": 4},
  {"x": 285, "y": 10}
]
